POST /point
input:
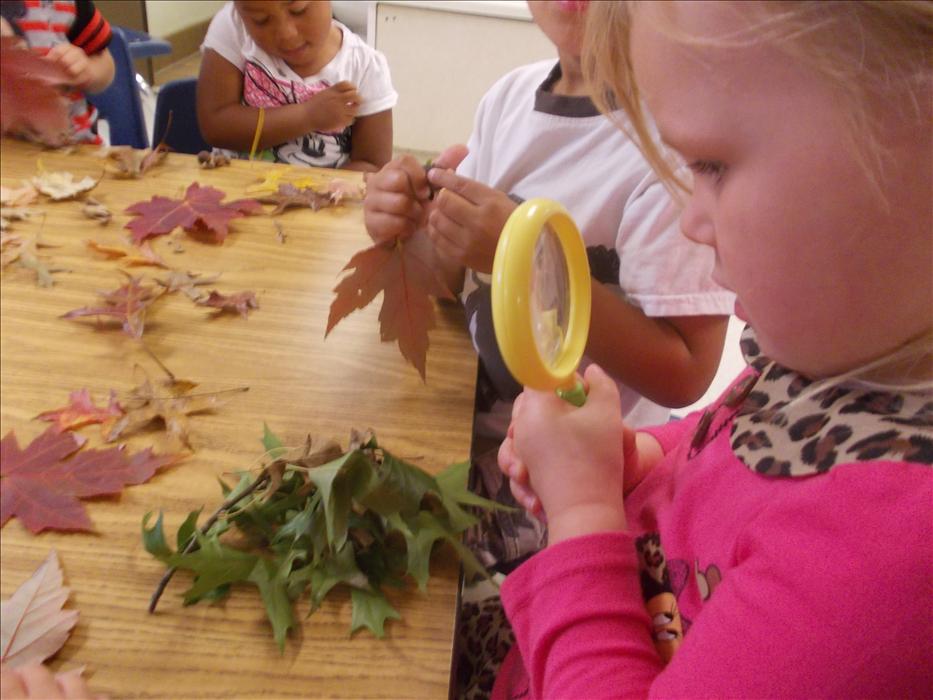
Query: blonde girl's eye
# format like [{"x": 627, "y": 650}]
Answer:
[
  {"x": 298, "y": 9},
  {"x": 708, "y": 168},
  {"x": 261, "y": 22}
]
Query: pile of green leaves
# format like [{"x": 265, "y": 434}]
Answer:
[{"x": 319, "y": 519}]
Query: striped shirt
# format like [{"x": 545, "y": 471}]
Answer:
[{"x": 46, "y": 23}]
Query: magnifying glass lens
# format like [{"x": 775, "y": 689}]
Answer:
[{"x": 550, "y": 296}]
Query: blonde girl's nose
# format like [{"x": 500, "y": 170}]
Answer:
[{"x": 696, "y": 222}]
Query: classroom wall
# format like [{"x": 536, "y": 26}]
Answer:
[
  {"x": 444, "y": 56},
  {"x": 170, "y": 17}
]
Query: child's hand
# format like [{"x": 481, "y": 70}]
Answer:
[
  {"x": 398, "y": 196},
  {"x": 333, "y": 109},
  {"x": 396, "y": 200},
  {"x": 36, "y": 681},
  {"x": 467, "y": 219},
  {"x": 74, "y": 62},
  {"x": 568, "y": 461}
]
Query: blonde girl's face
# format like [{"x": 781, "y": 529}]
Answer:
[
  {"x": 827, "y": 274},
  {"x": 296, "y": 32}
]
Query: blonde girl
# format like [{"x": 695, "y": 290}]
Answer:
[{"x": 777, "y": 544}]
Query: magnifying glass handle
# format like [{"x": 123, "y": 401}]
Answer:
[{"x": 576, "y": 395}]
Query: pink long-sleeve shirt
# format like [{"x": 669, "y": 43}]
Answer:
[{"x": 785, "y": 552}]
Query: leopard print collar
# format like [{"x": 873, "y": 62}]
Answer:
[{"x": 780, "y": 430}]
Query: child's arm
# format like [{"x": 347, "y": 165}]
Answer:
[
  {"x": 671, "y": 361},
  {"x": 91, "y": 74},
  {"x": 371, "y": 144},
  {"x": 227, "y": 123}
]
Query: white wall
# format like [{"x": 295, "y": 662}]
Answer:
[
  {"x": 444, "y": 56},
  {"x": 167, "y": 17}
]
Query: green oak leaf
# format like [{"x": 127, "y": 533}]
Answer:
[
  {"x": 154, "y": 539},
  {"x": 270, "y": 577},
  {"x": 214, "y": 564},
  {"x": 398, "y": 487},
  {"x": 338, "y": 482},
  {"x": 272, "y": 443},
  {"x": 338, "y": 568},
  {"x": 187, "y": 529},
  {"x": 371, "y": 609}
]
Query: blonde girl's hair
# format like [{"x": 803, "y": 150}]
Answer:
[{"x": 862, "y": 48}]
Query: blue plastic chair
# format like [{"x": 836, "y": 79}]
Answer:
[
  {"x": 120, "y": 104},
  {"x": 179, "y": 98}
]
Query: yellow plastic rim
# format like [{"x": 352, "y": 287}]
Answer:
[{"x": 511, "y": 295}]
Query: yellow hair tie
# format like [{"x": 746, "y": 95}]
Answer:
[{"x": 259, "y": 123}]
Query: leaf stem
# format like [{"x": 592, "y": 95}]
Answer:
[{"x": 226, "y": 505}]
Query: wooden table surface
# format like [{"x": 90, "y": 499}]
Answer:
[{"x": 298, "y": 384}]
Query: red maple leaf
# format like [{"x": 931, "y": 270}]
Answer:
[
  {"x": 407, "y": 273},
  {"x": 240, "y": 303},
  {"x": 81, "y": 411},
  {"x": 200, "y": 212},
  {"x": 41, "y": 485},
  {"x": 32, "y": 103},
  {"x": 126, "y": 304}
]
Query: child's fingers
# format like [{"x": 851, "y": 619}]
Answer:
[
  {"x": 451, "y": 156},
  {"x": 39, "y": 682},
  {"x": 73, "y": 685},
  {"x": 470, "y": 190},
  {"x": 11, "y": 686}
]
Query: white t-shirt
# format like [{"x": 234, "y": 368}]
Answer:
[
  {"x": 528, "y": 143},
  {"x": 270, "y": 82}
]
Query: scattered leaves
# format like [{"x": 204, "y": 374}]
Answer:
[
  {"x": 128, "y": 162},
  {"x": 93, "y": 209},
  {"x": 187, "y": 282},
  {"x": 33, "y": 625},
  {"x": 82, "y": 411},
  {"x": 25, "y": 252},
  {"x": 9, "y": 214},
  {"x": 144, "y": 405},
  {"x": 408, "y": 275},
  {"x": 63, "y": 185},
  {"x": 200, "y": 212},
  {"x": 240, "y": 303},
  {"x": 316, "y": 518},
  {"x": 32, "y": 102},
  {"x": 209, "y": 161},
  {"x": 126, "y": 304},
  {"x": 41, "y": 485},
  {"x": 21, "y": 196},
  {"x": 288, "y": 196},
  {"x": 142, "y": 256}
]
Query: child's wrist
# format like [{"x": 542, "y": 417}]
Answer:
[{"x": 586, "y": 519}]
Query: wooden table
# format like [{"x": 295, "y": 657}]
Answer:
[{"x": 298, "y": 383}]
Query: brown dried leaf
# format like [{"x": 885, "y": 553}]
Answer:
[
  {"x": 407, "y": 273},
  {"x": 93, "y": 209},
  {"x": 144, "y": 405},
  {"x": 187, "y": 282},
  {"x": 130, "y": 162},
  {"x": 289, "y": 196},
  {"x": 240, "y": 303}
]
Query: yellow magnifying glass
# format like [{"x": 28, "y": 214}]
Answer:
[{"x": 541, "y": 298}]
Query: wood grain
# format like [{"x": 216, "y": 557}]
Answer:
[{"x": 298, "y": 384}]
